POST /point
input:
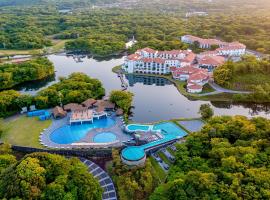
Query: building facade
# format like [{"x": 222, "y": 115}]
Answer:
[
  {"x": 149, "y": 61},
  {"x": 224, "y": 48}
]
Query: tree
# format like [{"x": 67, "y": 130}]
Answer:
[
  {"x": 227, "y": 159},
  {"x": 122, "y": 99},
  {"x": 47, "y": 176},
  {"x": 206, "y": 111}
]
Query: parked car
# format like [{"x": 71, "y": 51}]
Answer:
[
  {"x": 165, "y": 166},
  {"x": 173, "y": 147},
  {"x": 157, "y": 158}
]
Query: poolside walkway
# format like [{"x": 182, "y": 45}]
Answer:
[
  {"x": 87, "y": 141},
  {"x": 103, "y": 178}
]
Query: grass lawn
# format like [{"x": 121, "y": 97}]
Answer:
[
  {"x": 207, "y": 88},
  {"x": 12, "y": 52},
  {"x": 57, "y": 45},
  {"x": 24, "y": 131},
  {"x": 158, "y": 170}
]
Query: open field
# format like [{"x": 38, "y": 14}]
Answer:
[
  {"x": 24, "y": 131},
  {"x": 56, "y": 47}
]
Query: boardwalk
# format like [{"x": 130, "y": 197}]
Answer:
[
  {"x": 123, "y": 83},
  {"x": 103, "y": 178}
]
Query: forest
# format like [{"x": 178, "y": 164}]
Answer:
[
  {"x": 104, "y": 31},
  {"x": 35, "y": 69},
  {"x": 45, "y": 176},
  {"x": 249, "y": 74},
  {"x": 74, "y": 89},
  {"x": 135, "y": 183},
  {"x": 227, "y": 159}
]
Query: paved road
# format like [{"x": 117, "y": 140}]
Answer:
[{"x": 221, "y": 89}]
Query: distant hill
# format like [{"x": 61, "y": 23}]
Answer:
[{"x": 60, "y": 3}]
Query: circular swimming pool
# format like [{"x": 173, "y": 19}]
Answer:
[
  {"x": 104, "y": 137},
  {"x": 73, "y": 133}
]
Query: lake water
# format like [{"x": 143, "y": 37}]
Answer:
[{"x": 154, "y": 98}]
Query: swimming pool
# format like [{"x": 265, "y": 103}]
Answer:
[
  {"x": 104, "y": 137},
  {"x": 69, "y": 134},
  {"x": 170, "y": 132},
  {"x": 138, "y": 127}
]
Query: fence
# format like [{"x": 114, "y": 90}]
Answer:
[{"x": 94, "y": 153}]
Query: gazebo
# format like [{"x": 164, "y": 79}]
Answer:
[
  {"x": 89, "y": 103},
  {"x": 106, "y": 104},
  {"x": 74, "y": 107},
  {"x": 58, "y": 112}
]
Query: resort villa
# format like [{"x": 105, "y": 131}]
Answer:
[
  {"x": 195, "y": 77},
  {"x": 224, "y": 48},
  {"x": 149, "y": 61}
]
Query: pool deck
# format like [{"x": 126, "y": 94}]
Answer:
[
  {"x": 171, "y": 133},
  {"x": 192, "y": 125},
  {"x": 87, "y": 141}
]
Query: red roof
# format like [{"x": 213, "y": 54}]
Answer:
[
  {"x": 148, "y": 50},
  {"x": 211, "y": 60},
  {"x": 198, "y": 76},
  {"x": 189, "y": 57},
  {"x": 206, "y": 41},
  {"x": 156, "y": 60},
  {"x": 232, "y": 46},
  {"x": 194, "y": 86},
  {"x": 133, "y": 57}
]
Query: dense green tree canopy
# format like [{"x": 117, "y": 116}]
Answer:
[
  {"x": 48, "y": 176},
  {"x": 122, "y": 99},
  {"x": 228, "y": 159},
  {"x": 104, "y": 31},
  {"x": 248, "y": 74},
  {"x": 35, "y": 69},
  {"x": 206, "y": 111},
  {"x": 135, "y": 183},
  {"x": 75, "y": 89}
]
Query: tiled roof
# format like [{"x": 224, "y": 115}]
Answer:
[
  {"x": 211, "y": 60},
  {"x": 194, "y": 86},
  {"x": 198, "y": 76}
]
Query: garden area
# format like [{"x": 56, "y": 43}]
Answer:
[{"x": 24, "y": 131}]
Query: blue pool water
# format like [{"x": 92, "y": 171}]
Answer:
[
  {"x": 104, "y": 137},
  {"x": 169, "y": 131},
  {"x": 68, "y": 134},
  {"x": 138, "y": 127}
]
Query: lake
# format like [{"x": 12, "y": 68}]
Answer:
[{"x": 154, "y": 98}]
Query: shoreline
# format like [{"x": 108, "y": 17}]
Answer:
[{"x": 222, "y": 97}]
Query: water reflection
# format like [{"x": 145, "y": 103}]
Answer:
[
  {"x": 154, "y": 98},
  {"x": 31, "y": 87},
  {"x": 146, "y": 80}
]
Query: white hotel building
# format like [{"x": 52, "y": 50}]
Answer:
[
  {"x": 149, "y": 61},
  {"x": 224, "y": 48}
]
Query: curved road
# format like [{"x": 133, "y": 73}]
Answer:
[{"x": 221, "y": 89}]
